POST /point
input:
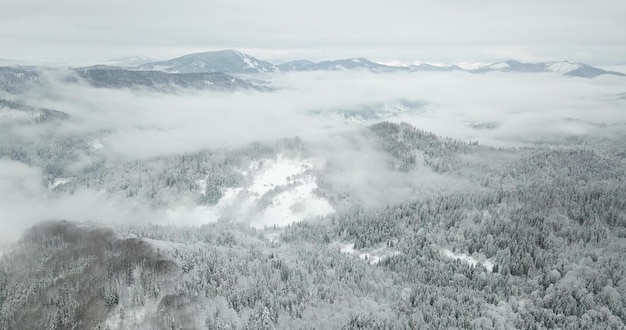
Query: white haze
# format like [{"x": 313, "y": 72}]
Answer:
[
  {"x": 137, "y": 124},
  {"x": 25, "y": 201},
  {"x": 527, "y": 107}
]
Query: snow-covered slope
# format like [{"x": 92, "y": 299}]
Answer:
[
  {"x": 562, "y": 67},
  {"x": 231, "y": 61},
  {"x": 372, "y": 256},
  {"x": 58, "y": 182},
  {"x": 512, "y": 66},
  {"x": 359, "y": 64},
  {"x": 470, "y": 260},
  {"x": 228, "y": 61},
  {"x": 162, "y": 81},
  {"x": 297, "y": 65},
  {"x": 339, "y": 65},
  {"x": 276, "y": 192},
  {"x": 431, "y": 67},
  {"x": 96, "y": 144},
  {"x": 499, "y": 66}
]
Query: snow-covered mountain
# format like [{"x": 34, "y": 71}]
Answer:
[
  {"x": 297, "y": 65},
  {"x": 512, "y": 66},
  {"x": 228, "y": 61},
  {"x": 562, "y": 67},
  {"x": 360, "y": 64},
  {"x": 430, "y": 67},
  {"x": 111, "y": 77},
  {"x": 234, "y": 62},
  {"x": 337, "y": 65},
  {"x": 17, "y": 80},
  {"x": 215, "y": 70}
]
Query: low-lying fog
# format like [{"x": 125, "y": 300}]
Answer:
[
  {"x": 498, "y": 109},
  {"x": 518, "y": 108}
]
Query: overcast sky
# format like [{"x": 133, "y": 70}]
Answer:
[{"x": 436, "y": 31}]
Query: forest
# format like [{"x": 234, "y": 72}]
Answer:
[{"x": 533, "y": 238}]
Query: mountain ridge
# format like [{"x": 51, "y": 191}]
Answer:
[
  {"x": 563, "y": 67},
  {"x": 235, "y": 62},
  {"x": 226, "y": 61},
  {"x": 15, "y": 79}
]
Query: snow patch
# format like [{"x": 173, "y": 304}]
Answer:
[
  {"x": 294, "y": 205},
  {"x": 37, "y": 115},
  {"x": 96, "y": 144},
  {"x": 249, "y": 62},
  {"x": 57, "y": 182},
  {"x": 563, "y": 67},
  {"x": 272, "y": 236},
  {"x": 272, "y": 173},
  {"x": 373, "y": 257},
  {"x": 127, "y": 316},
  {"x": 470, "y": 260},
  {"x": 470, "y": 65},
  {"x": 499, "y": 66},
  {"x": 201, "y": 185}
]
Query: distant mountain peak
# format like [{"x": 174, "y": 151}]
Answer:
[
  {"x": 228, "y": 61},
  {"x": 354, "y": 63},
  {"x": 235, "y": 62},
  {"x": 563, "y": 67},
  {"x": 432, "y": 67}
]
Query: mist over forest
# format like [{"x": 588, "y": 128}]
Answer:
[{"x": 221, "y": 191}]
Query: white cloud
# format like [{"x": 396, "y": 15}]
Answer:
[
  {"x": 523, "y": 107},
  {"x": 25, "y": 201},
  {"x": 133, "y": 124}
]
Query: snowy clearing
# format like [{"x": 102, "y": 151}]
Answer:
[
  {"x": 57, "y": 182},
  {"x": 277, "y": 192},
  {"x": 373, "y": 256},
  {"x": 470, "y": 260},
  {"x": 96, "y": 144}
]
